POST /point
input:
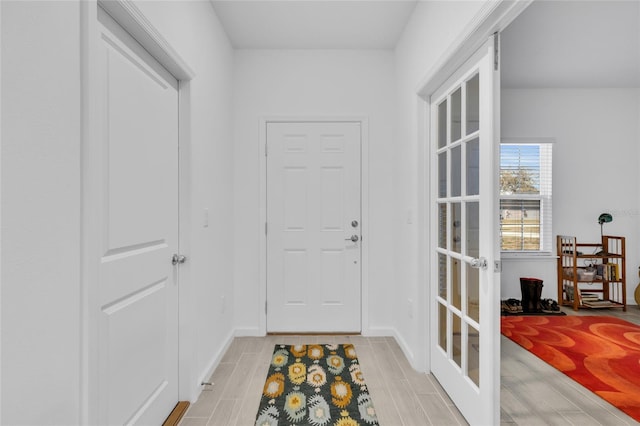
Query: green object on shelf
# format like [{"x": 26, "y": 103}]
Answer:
[{"x": 604, "y": 218}]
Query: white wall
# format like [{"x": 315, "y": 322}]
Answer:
[
  {"x": 595, "y": 168},
  {"x": 432, "y": 29},
  {"x": 312, "y": 83},
  {"x": 41, "y": 200},
  {"x": 194, "y": 30},
  {"x": 40, "y": 213},
  {"x": 543, "y": 268}
]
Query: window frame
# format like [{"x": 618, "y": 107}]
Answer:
[{"x": 545, "y": 196}]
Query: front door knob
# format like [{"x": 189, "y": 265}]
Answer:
[
  {"x": 353, "y": 238},
  {"x": 178, "y": 259}
]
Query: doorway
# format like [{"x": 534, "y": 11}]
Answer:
[{"x": 313, "y": 226}]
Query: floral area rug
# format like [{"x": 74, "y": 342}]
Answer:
[{"x": 315, "y": 385}]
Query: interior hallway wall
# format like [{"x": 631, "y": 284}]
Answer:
[
  {"x": 312, "y": 83},
  {"x": 40, "y": 203},
  {"x": 433, "y": 28},
  {"x": 41, "y": 200}
]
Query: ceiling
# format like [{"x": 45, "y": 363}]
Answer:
[
  {"x": 313, "y": 24},
  {"x": 573, "y": 44},
  {"x": 568, "y": 44}
]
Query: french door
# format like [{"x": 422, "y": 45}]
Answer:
[{"x": 465, "y": 284}]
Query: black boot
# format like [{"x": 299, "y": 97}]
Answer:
[
  {"x": 538, "y": 294},
  {"x": 531, "y": 294},
  {"x": 525, "y": 289}
]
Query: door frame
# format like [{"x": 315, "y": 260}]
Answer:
[
  {"x": 491, "y": 18},
  {"x": 364, "y": 206},
  {"x": 129, "y": 16}
]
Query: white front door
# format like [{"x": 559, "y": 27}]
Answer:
[
  {"x": 138, "y": 294},
  {"x": 313, "y": 227},
  {"x": 465, "y": 289}
]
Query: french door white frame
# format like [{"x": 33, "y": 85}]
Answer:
[
  {"x": 135, "y": 23},
  {"x": 493, "y": 17},
  {"x": 364, "y": 191}
]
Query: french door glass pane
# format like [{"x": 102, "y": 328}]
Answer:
[
  {"x": 442, "y": 275},
  {"x": 473, "y": 293},
  {"x": 473, "y": 104},
  {"x": 442, "y": 225},
  {"x": 456, "y": 283},
  {"x": 442, "y": 175},
  {"x": 456, "y": 221},
  {"x": 472, "y": 249},
  {"x": 456, "y": 340},
  {"x": 442, "y": 124},
  {"x": 442, "y": 326},
  {"x": 456, "y": 115},
  {"x": 473, "y": 228},
  {"x": 473, "y": 354},
  {"x": 456, "y": 169},
  {"x": 473, "y": 167}
]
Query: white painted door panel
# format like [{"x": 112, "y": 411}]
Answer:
[
  {"x": 138, "y": 295},
  {"x": 465, "y": 345},
  {"x": 313, "y": 196}
]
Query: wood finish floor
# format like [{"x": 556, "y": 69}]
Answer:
[{"x": 532, "y": 392}]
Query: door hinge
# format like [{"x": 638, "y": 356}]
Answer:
[
  {"x": 265, "y": 307},
  {"x": 496, "y": 51},
  {"x": 265, "y": 149},
  {"x": 265, "y": 228}
]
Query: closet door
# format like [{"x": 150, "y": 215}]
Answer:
[{"x": 138, "y": 293}]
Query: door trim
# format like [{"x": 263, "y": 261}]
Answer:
[
  {"x": 492, "y": 17},
  {"x": 364, "y": 194},
  {"x": 127, "y": 14},
  {"x": 129, "y": 17}
]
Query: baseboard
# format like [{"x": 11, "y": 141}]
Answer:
[
  {"x": 213, "y": 364},
  {"x": 379, "y": 332},
  {"x": 393, "y": 332},
  {"x": 408, "y": 353},
  {"x": 247, "y": 332}
]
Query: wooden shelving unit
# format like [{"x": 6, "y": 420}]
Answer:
[{"x": 592, "y": 275}]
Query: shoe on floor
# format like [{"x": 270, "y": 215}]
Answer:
[{"x": 549, "y": 306}]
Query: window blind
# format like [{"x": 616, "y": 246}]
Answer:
[{"x": 526, "y": 196}]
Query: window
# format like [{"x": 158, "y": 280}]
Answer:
[{"x": 525, "y": 196}]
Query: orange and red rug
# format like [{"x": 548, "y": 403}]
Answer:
[{"x": 601, "y": 353}]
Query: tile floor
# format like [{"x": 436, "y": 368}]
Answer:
[{"x": 532, "y": 392}]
